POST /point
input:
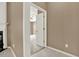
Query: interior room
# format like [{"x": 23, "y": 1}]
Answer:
[
  {"x": 39, "y": 29},
  {"x": 34, "y": 42}
]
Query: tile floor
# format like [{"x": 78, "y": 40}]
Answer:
[
  {"x": 46, "y": 52},
  {"x": 6, "y": 53},
  {"x": 34, "y": 45},
  {"x": 35, "y": 48}
]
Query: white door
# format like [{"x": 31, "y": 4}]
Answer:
[{"x": 39, "y": 29}]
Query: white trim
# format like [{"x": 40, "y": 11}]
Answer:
[
  {"x": 26, "y": 29},
  {"x": 45, "y": 28},
  {"x": 71, "y": 55},
  {"x": 23, "y": 30},
  {"x": 32, "y": 4},
  {"x": 6, "y": 25},
  {"x": 12, "y": 51}
]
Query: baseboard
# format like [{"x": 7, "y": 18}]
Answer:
[
  {"x": 12, "y": 51},
  {"x": 71, "y": 55}
]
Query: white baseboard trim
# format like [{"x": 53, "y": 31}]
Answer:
[
  {"x": 12, "y": 51},
  {"x": 71, "y": 55}
]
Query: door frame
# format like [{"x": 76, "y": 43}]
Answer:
[
  {"x": 26, "y": 27},
  {"x": 5, "y": 27}
]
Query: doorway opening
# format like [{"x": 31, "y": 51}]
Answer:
[
  {"x": 34, "y": 29},
  {"x": 37, "y": 29},
  {"x": 35, "y": 46}
]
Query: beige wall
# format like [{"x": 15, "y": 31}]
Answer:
[
  {"x": 15, "y": 27},
  {"x": 63, "y": 26},
  {"x": 41, "y": 4}
]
